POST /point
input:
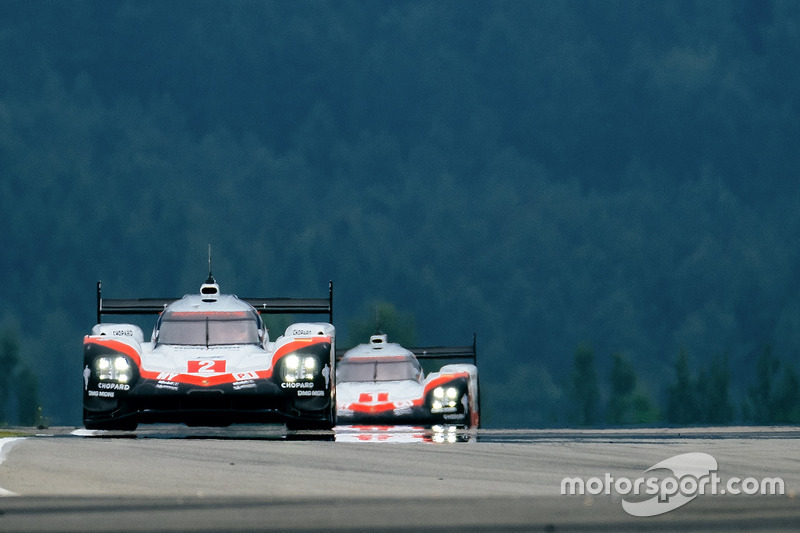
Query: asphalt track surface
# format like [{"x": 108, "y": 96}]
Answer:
[{"x": 262, "y": 478}]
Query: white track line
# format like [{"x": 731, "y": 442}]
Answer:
[
  {"x": 84, "y": 432},
  {"x": 5, "y": 445}
]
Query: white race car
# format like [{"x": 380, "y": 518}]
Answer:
[
  {"x": 209, "y": 362},
  {"x": 384, "y": 383}
]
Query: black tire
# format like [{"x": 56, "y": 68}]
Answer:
[
  {"x": 124, "y": 424},
  {"x": 326, "y": 424},
  {"x": 298, "y": 425},
  {"x": 467, "y": 417}
]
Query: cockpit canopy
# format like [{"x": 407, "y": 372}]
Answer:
[
  {"x": 212, "y": 328},
  {"x": 400, "y": 368}
]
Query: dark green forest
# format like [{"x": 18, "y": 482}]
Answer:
[{"x": 604, "y": 192}]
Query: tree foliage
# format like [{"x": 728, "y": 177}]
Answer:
[
  {"x": 628, "y": 403},
  {"x": 622, "y": 384},
  {"x": 682, "y": 404},
  {"x": 701, "y": 397},
  {"x": 19, "y": 394},
  {"x": 585, "y": 390},
  {"x": 775, "y": 396}
]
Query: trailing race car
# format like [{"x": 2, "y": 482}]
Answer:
[
  {"x": 384, "y": 383},
  {"x": 209, "y": 362}
]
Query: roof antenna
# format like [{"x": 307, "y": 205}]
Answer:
[
  {"x": 209, "y": 290},
  {"x": 380, "y": 338},
  {"x": 210, "y": 276}
]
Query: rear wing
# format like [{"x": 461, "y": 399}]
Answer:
[
  {"x": 437, "y": 352},
  {"x": 273, "y": 306},
  {"x": 448, "y": 352}
]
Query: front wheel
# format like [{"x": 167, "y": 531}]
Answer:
[
  {"x": 326, "y": 423},
  {"x": 124, "y": 424},
  {"x": 299, "y": 425}
]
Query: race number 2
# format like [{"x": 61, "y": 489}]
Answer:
[{"x": 206, "y": 366}]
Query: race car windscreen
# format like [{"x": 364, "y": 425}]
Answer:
[
  {"x": 208, "y": 330},
  {"x": 373, "y": 370}
]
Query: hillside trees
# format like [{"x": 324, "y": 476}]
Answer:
[
  {"x": 539, "y": 173},
  {"x": 682, "y": 404},
  {"x": 775, "y": 396},
  {"x": 619, "y": 400},
  {"x": 628, "y": 402},
  {"x": 19, "y": 393},
  {"x": 584, "y": 387}
]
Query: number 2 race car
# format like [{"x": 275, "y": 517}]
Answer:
[
  {"x": 384, "y": 383},
  {"x": 209, "y": 362}
]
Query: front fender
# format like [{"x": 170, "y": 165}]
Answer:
[
  {"x": 303, "y": 393},
  {"x": 101, "y": 395}
]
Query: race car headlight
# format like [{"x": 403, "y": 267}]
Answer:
[
  {"x": 299, "y": 368},
  {"x": 113, "y": 368},
  {"x": 445, "y": 397}
]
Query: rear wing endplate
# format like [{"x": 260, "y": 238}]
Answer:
[{"x": 274, "y": 306}]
